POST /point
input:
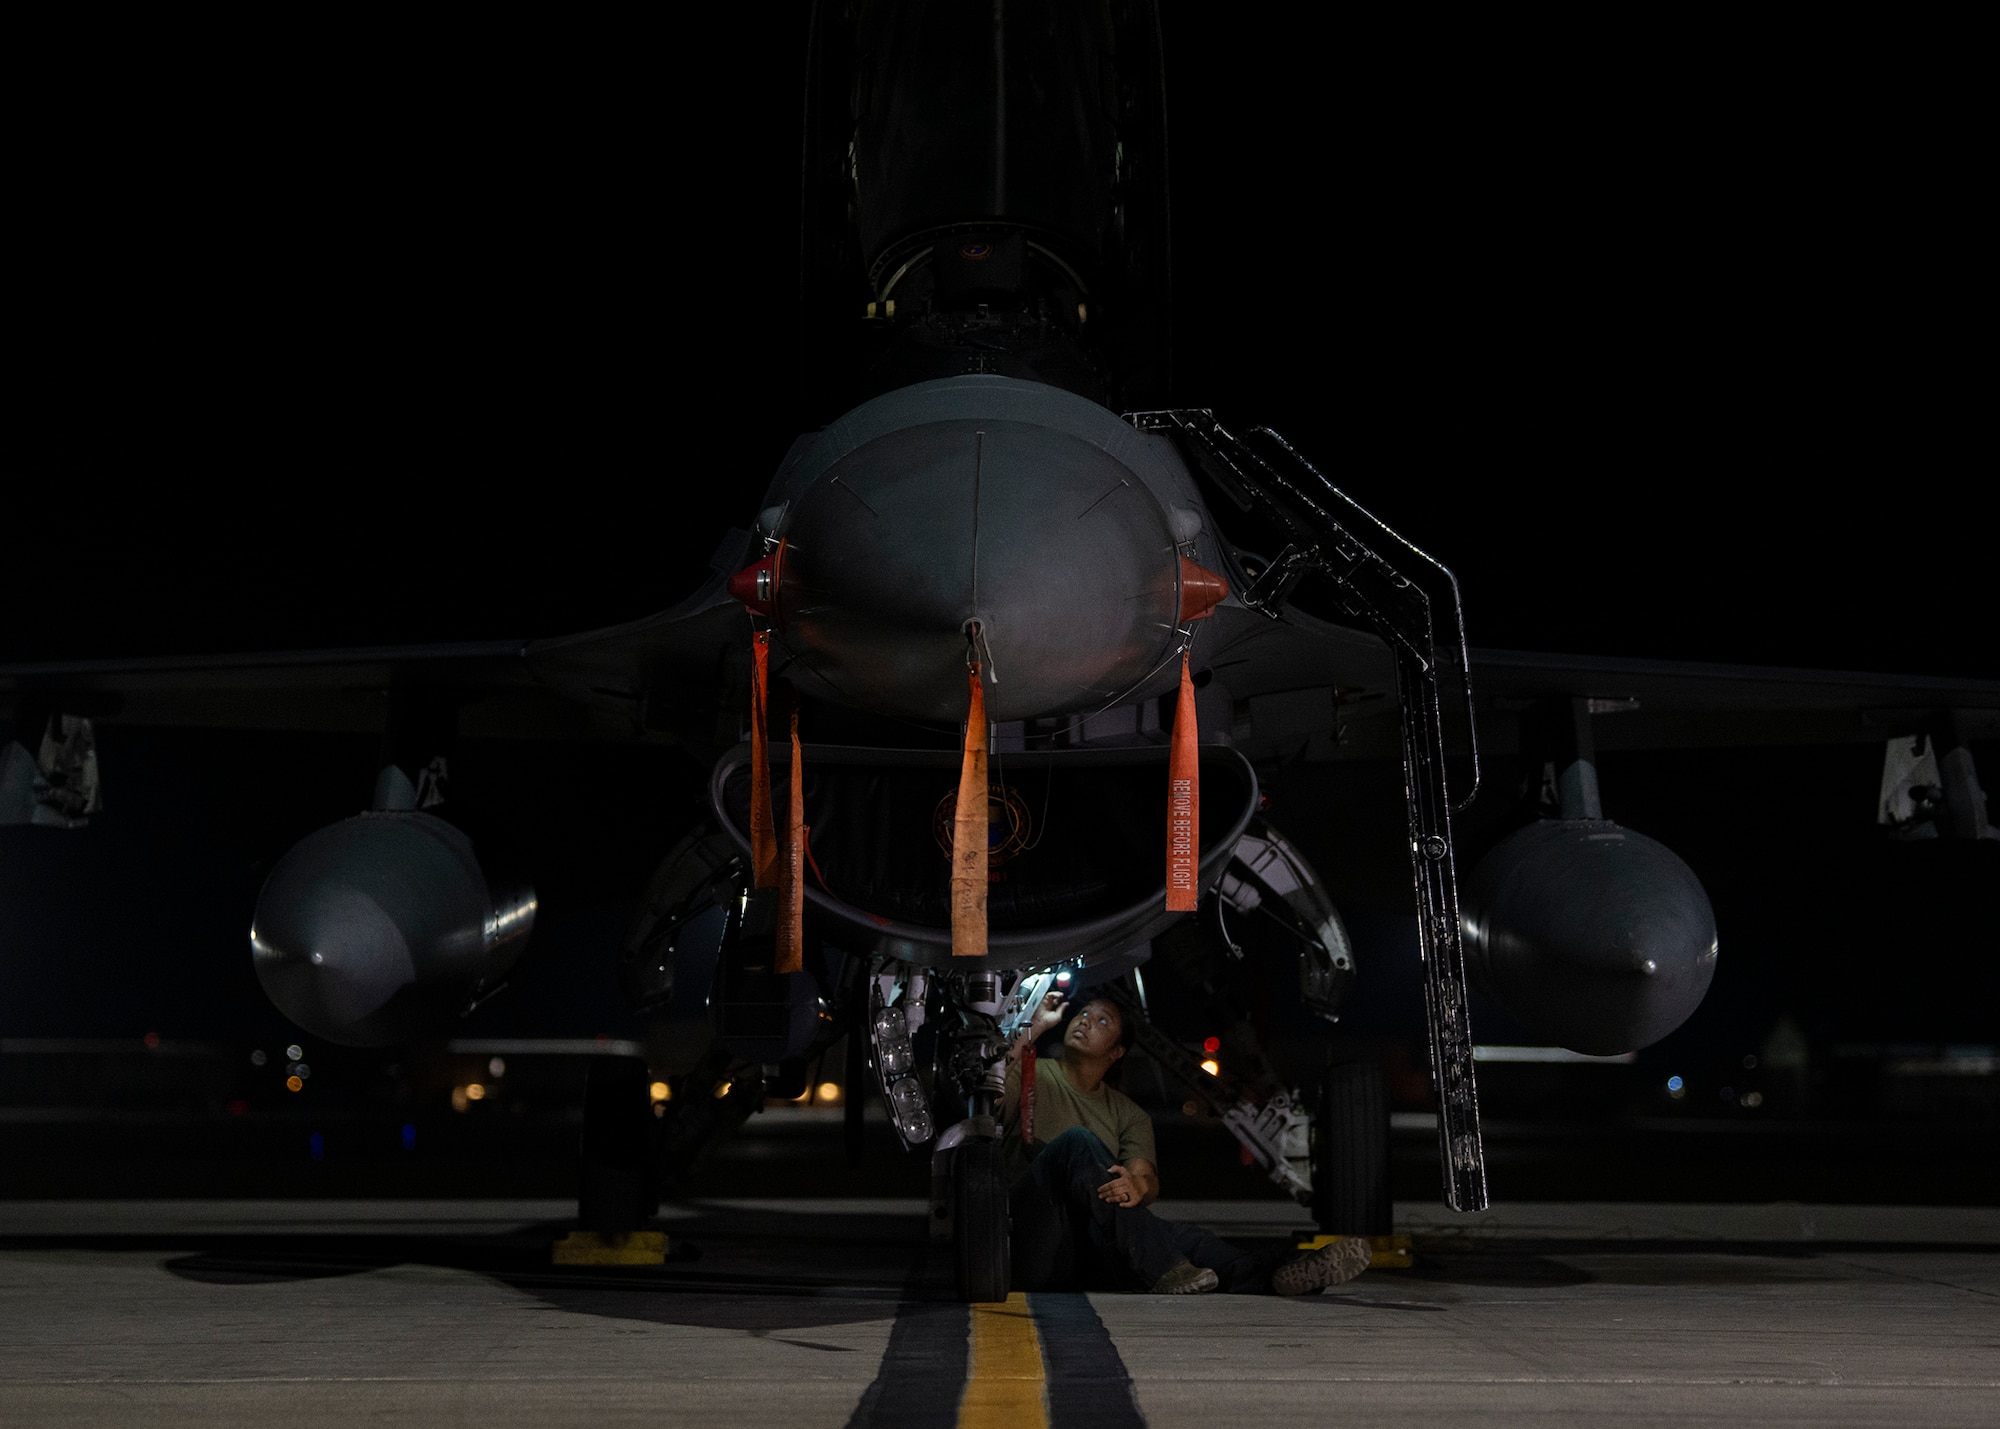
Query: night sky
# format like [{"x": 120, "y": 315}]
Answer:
[
  {"x": 361, "y": 339},
  {"x": 371, "y": 338}
]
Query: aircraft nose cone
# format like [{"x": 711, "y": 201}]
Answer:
[{"x": 1060, "y": 553}]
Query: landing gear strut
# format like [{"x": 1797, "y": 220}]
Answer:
[{"x": 978, "y": 1014}]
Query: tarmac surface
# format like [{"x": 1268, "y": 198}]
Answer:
[{"x": 811, "y": 1313}]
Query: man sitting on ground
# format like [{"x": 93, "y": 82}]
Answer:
[{"x": 1082, "y": 1178}]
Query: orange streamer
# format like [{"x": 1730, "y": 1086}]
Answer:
[
  {"x": 792, "y": 871},
  {"x": 1184, "y": 804},
  {"x": 969, "y": 835},
  {"x": 763, "y": 839}
]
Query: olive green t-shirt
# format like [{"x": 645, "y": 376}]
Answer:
[{"x": 1116, "y": 1118}]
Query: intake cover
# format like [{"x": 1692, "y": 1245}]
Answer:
[{"x": 1079, "y": 841}]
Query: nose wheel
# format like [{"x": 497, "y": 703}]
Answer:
[{"x": 981, "y": 1239}]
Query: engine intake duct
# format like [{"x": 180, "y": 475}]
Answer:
[
  {"x": 1589, "y": 935},
  {"x": 383, "y": 928},
  {"x": 1078, "y": 842}
]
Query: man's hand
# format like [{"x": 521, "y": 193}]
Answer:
[
  {"x": 1130, "y": 1186},
  {"x": 1046, "y": 1016}
]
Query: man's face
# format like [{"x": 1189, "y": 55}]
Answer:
[{"x": 1094, "y": 1031}]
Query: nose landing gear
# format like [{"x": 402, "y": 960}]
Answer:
[{"x": 968, "y": 1069}]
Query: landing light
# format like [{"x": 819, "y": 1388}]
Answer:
[
  {"x": 722, "y": 1089},
  {"x": 474, "y": 1092},
  {"x": 295, "y": 1083},
  {"x": 829, "y": 1093},
  {"x": 662, "y": 1092},
  {"x": 1212, "y": 1067}
]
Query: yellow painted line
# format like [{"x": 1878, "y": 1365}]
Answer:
[{"x": 1004, "y": 1389}]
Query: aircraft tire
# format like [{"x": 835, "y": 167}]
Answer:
[
  {"x": 980, "y": 1226},
  {"x": 616, "y": 1186},
  {"x": 1350, "y": 1151}
]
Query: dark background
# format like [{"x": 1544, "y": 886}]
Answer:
[{"x": 1653, "y": 335}]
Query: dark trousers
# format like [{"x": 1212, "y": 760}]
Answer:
[{"x": 1066, "y": 1238}]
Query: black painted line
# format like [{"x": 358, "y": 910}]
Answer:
[
  {"x": 1088, "y": 1384},
  {"x": 922, "y": 1375}
]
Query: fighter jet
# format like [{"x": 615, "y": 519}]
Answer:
[{"x": 991, "y": 692}]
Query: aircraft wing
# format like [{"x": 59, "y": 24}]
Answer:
[
  {"x": 1279, "y": 686},
  {"x": 1668, "y": 704},
  {"x": 1302, "y": 685},
  {"x": 329, "y": 691},
  {"x": 615, "y": 682}
]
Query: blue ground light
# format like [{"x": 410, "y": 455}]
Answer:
[
  {"x": 1674, "y": 1084},
  {"x": 409, "y": 1138},
  {"x": 318, "y": 1146}
]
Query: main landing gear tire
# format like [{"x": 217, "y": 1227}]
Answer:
[
  {"x": 616, "y": 1188},
  {"x": 980, "y": 1227},
  {"x": 1350, "y": 1152}
]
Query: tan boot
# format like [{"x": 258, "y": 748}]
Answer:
[
  {"x": 1334, "y": 1264},
  {"x": 1186, "y": 1278}
]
